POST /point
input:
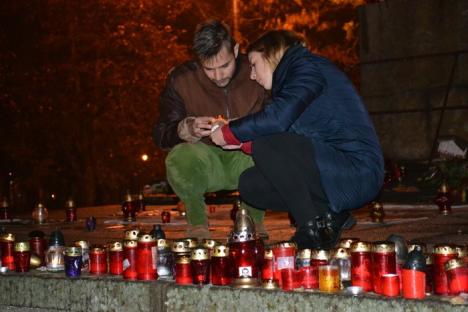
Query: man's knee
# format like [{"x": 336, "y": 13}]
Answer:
[
  {"x": 183, "y": 157},
  {"x": 187, "y": 167}
]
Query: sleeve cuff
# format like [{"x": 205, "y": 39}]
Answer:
[
  {"x": 247, "y": 147},
  {"x": 229, "y": 137},
  {"x": 183, "y": 130}
]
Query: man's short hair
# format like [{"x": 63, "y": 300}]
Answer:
[{"x": 210, "y": 37}]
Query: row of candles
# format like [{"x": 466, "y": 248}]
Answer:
[
  {"x": 245, "y": 262},
  {"x": 373, "y": 267},
  {"x": 131, "y": 205}
]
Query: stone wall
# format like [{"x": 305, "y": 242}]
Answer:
[
  {"x": 43, "y": 291},
  {"x": 407, "y": 55}
]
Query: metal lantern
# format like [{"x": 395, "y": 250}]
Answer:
[
  {"x": 242, "y": 251},
  {"x": 40, "y": 214}
]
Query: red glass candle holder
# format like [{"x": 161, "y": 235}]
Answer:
[
  {"x": 361, "y": 265},
  {"x": 284, "y": 254},
  {"x": 97, "y": 261},
  {"x": 129, "y": 209},
  {"x": 7, "y": 249},
  {"x": 38, "y": 246},
  {"x": 200, "y": 264},
  {"x": 319, "y": 257},
  {"x": 441, "y": 255},
  {"x": 457, "y": 276},
  {"x": 146, "y": 258},
  {"x": 116, "y": 258},
  {"x": 390, "y": 284},
  {"x": 383, "y": 262},
  {"x": 183, "y": 270},
  {"x": 70, "y": 211},
  {"x": 443, "y": 200},
  {"x": 243, "y": 257},
  {"x": 268, "y": 268},
  {"x": 220, "y": 266},
  {"x": 129, "y": 262},
  {"x": 287, "y": 279},
  {"x": 165, "y": 217},
  {"x": 22, "y": 256},
  {"x": 414, "y": 284},
  {"x": 309, "y": 277}
]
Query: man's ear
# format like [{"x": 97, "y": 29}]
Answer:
[{"x": 236, "y": 50}]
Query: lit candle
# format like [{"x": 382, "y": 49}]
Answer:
[
  {"x": 329, "y": 278},
  {"x": 200, "y": 263},
  {"x": 73, "y": 261},
  {"x": 22, "y": 256}
]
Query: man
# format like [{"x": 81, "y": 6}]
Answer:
[{"x": 216, "y": 84}]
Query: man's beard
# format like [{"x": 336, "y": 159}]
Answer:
[{"x": 222, "y": 83}]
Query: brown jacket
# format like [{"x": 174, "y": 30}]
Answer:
[{"x": 189, "y": 92}]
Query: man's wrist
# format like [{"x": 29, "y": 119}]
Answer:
[{"x": 185, "y": 130}]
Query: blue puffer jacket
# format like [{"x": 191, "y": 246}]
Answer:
[{"x": 313, "y": 98}]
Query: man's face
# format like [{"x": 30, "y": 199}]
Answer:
[{"x": 220, "y": 68}]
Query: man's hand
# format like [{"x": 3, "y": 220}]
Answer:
[{"x": 200, "y": 126}]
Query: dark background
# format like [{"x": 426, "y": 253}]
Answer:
[{"x": 80, "y": 80}]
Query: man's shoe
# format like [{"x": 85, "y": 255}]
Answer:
[
  {"x": 198, "y": 231},
  {"x": 315, "y": 234},
  {"x": 261, "y": 231}
]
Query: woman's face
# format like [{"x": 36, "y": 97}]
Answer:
[{"x": 260, "y": 70}]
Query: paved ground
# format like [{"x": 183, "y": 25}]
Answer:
[{"x": 421, "y": 223}]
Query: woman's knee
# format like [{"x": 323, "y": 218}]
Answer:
[{"x": 250, "y": 183}]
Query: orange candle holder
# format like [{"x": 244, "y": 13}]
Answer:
[{"x": 329, "y": 278}]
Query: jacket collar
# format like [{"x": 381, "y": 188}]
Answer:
[{"x": 290, "y": 56}]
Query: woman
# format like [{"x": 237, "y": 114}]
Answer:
[{"x": 315, "y": 149}]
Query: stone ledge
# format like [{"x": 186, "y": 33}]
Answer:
[{"x": 42, "y": 291}]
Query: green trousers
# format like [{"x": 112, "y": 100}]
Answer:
[{"x": 194, "y": 169}]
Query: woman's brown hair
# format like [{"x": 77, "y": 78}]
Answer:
[{"x": 274, "y": 43}]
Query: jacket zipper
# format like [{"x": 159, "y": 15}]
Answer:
[{"x": 228, "y": 113}]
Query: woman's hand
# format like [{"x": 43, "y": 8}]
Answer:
[
  {"x": 217, "y": 137},
  {"x": 232, "y": 147}
]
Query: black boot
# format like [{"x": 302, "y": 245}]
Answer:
[
  {"x": 335, "y": 224},
  {"x": 340, "y": 221},
  {"x": 315, "y": 234}
]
